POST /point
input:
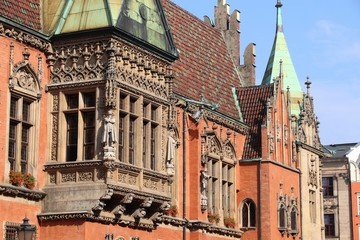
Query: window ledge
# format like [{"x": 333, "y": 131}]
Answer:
[
  {"x": 247, "y": 228},
  {"x": 22, "y": 192}
]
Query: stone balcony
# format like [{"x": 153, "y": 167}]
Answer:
[{"x": 109, "y": 190}]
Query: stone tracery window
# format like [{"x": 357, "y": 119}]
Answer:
[
  {"x": 248, "y": 214},
  {"x": 220, "y": 175},
  {"x": 282, "y": 216}
]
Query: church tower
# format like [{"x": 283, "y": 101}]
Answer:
[{"x": 274, "y": 69}]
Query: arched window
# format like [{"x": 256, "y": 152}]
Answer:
[
  {"x": 248, "y": 214},
  {"x": 282, "y": 216},
  {"x": 294, "y": 219}
]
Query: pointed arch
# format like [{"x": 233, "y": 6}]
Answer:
[
  {"x": 229, "y": 150},
  {"x": 248, "y": 213},
  {"x": 214, "y": 145},
  {"x": 24, "y": 79}
]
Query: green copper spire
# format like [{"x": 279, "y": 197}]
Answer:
[{"x": 274, "y": 69}]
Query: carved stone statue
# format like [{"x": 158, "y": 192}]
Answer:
[
  {"x": 109, "y": 137},
  {"x": 203, "y": 188},
  {"x": 170, "y": 154}
]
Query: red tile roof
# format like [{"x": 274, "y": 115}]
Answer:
[
  {"x": 204, "y": 65},
  {"x": 25, "y": 12},
  {"x": 252, "y": 102}
]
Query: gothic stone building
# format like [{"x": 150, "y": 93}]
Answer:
[{"x": 135, "y": 120}]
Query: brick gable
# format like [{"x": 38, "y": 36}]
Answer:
[{"x": 252, "y": 102}]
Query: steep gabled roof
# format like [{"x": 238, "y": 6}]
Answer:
[
  {"x": 204, "y": 65},
  {"x": 280, "y": 53},
  {"x": 253, "y": 101},
  {"x": 26, "y": 13}
]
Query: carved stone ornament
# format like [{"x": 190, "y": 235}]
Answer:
[
  {"x": 25, "y": 38},
  {"x": 170, "y": 154},
  {"x": 204, "y": 177}
]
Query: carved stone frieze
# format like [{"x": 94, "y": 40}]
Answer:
[
  {"x": 85, "y": 176},
  {"x": 68, "y": 177},
  {"x": 28, "y": 39},
  {"x": 54, "y": 136}
]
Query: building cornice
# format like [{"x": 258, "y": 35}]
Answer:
[{"x": 13, "y": 191}]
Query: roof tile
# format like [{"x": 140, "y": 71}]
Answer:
[
  {"x": 204, "y": 65},
  {"x": 252, "y": 101},
  {"x": 25, "y": 12}
]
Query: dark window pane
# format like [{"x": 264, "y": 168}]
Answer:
[
  {"x": 329, "y": 225},
  {"x": 245, "y": 215},
  {"x": 131, "y": 140},
  {"x": 12, "y": 132},
  {"x": 72, "y": 101},
  {"x": 72, "y": 137},
  {"x": 144, "y": 144},
  {"x": 293, "y": 220},
  {"x": 252, "y": 214},
  {"x": 328, "y": 189},
  {"x": 89, "y": 99},
  {"x": 282, "y": 217},
  {"x": 26, "y": 111},
  {"x": 121, "y": 137},
  {"x": 89, "y": 152},
  {"x": 153, "y": 147},
  {"x": 25, "y": 134},
  {"x": 122, "y": 101},
  {"x": 13, "y": 107}
]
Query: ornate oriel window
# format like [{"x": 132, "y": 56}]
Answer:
[
  {"x": 79, "y": 113},
  {"x": 138, "y": 117},
  {"x": 248, "y": 214}
]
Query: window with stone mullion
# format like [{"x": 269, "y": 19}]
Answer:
[
  {"x": 150, "y": 125},
  {"x": 128, "y": 128},
  {"x": 80, "y": 112},
  {"x": 20, "y": 125}
]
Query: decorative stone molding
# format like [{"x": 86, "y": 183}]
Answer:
[
  {"x": 25, "y": 38},
  {"x": 221, "y": 120},
  {"x": 13, "y": 191}
]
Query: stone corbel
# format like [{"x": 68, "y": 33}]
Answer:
[
  {"x": 157, "y": 216},
  {"x": 120, "y": 209},
  {"x": 100, "y": 204},
  {"x": 141, "y": 212}
]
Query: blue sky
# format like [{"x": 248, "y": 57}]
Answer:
[{"x": 323, "y": 38}]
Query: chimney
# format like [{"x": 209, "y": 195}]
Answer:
[
  {"x": 247, "y": 70},
  {"x": 229, "y": 25}
]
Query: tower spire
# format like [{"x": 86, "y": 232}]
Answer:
[
  {"x": 280, "y": 52},
  {"x": 279, "y": 25}
]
